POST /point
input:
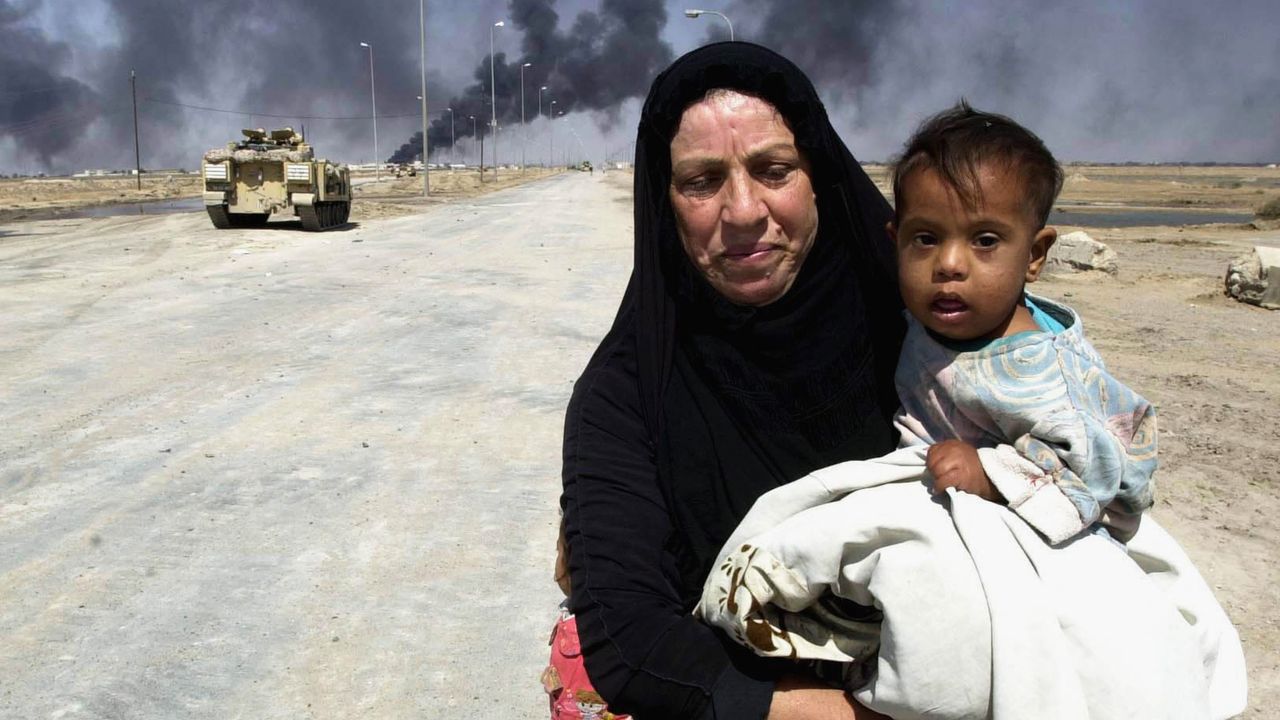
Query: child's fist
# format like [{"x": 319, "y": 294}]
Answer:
[{"x": 955, "y": 464}]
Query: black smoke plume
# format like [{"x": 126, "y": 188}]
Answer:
[
  {"x": 603, "y": 59},
  {"x": 1180, "y": 80},
  {"x": 282, "y": 56},
  {"x": 1098, "y": 80},
  {"x": 41, "y": 109}
]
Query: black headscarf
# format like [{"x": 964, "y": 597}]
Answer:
[{"x": 738, "y": 400}]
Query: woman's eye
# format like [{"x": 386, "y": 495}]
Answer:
[
  {"x": 776, "y": 173},
  {"x": 699, "y": 185},
  {"x": 987, "y": 241}
]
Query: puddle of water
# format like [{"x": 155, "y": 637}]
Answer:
[
  {"x": 152, "y": 207},
  {"x": 1141, "y": 217}
]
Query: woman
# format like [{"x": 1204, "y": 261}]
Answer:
[{"x": 756, "y": 342}]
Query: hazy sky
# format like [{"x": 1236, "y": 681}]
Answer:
[{"x": 1099, "y": 80}]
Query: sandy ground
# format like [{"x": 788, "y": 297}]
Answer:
[
  {"x": 268, "y": 473},
  {"x": 24, "y": 198},
  {"x": 39, "y": 198},
  {"x": 1155, "y": 186},
  {"x": 401, "y": 196}
]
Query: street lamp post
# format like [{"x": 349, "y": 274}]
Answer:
[
  {"x": 422, "y": 45},
  {"x": 453, "y": 143},
  {"x": 551, "y": 152},
  {"x": 696, "y": 13},
  {"x": 544, "y": 87},
  {"x": 373, "y": 94},
  {"x": 566, "y": 145},
  {"x": 493, "y": 98},
  {"x": 473, "y": 134},
  {"x": 522, "y": 130}
]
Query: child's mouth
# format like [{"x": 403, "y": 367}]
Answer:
[
  {"x": 948, "y": 308},
  {"x": 949, "y": 305}
]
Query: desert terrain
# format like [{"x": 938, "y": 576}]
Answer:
[
  {"x": 274, "y": 474},
  {"x": 45, "y": 197}
]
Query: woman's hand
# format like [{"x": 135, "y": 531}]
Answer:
[
  {"x": 800, "y": 698},
  {"x": 955, "y": 464}
]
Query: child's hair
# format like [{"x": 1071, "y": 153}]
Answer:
[{"x": 959, "y": 139}]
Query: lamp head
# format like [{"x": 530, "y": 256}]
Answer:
[
  {"x": 527, "y": 65},
  {"x": 500, "y": 23},
  {"x": 692, "y": 13},
  {"x": 365, "y": 44},
  {"x": 544, "y": 87}
]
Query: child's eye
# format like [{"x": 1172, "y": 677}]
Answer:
[
  {"x": 925, "y": 239},
  {"x": 987, "y": 241}
]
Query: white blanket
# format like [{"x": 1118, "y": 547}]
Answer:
[{"x": 981, "y": 617}]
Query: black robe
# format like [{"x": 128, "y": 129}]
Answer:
[{"x": 692, "y": 407}]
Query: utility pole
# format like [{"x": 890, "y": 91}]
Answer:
[
  {"x": 493, "y": 99},
  {"x": 422, "y": 30},
  {"x": 137, "y": 153}
]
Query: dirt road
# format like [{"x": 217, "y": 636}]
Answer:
[
  {"x": 275, "y": 474},
  {"x": 272, "y": 474}
]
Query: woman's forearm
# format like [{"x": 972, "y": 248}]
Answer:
[{"x": 800, "y": 698}]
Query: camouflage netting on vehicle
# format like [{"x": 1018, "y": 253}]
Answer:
[
  {"x": 276, "y": 154},
  {"x": 250, "y": 155}
]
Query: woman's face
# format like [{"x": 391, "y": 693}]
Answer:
[{"x": 744, "y": 204}]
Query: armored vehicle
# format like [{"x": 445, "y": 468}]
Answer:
[{"x": 269, "y": 172}]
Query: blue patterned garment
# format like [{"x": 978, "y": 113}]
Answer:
[{"x": 1069, "y": 446}]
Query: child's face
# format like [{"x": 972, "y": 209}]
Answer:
[{"x": 962, "y": 270}]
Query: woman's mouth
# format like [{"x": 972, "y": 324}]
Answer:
[{"x": 751, "y": 254}]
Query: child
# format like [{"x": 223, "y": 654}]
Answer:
[
  {"x": 947, "y": 606},
  {"x": 1012, "y": 400}
]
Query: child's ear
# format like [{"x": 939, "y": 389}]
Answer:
[
  {"x": 1040, "y": 245},
  {"x": 892, "y": 231}
]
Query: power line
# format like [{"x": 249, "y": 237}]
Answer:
[
  {"x": 32, "y": 126},
  {"x": 32, "y": 91}
]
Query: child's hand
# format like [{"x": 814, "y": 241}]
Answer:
[{"x": 955, "y": 463}]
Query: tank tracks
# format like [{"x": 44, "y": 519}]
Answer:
[
  {"x": 321, "y": 216},
  {"x": 324, "y": 215},
  {"x": 222, "y": 219}
]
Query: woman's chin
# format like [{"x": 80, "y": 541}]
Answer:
[{"x": 756, "y": 292}]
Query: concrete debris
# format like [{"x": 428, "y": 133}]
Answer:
[
  {"x": 1077, "y": 251},
  {"x": 1254, "y": 278}
]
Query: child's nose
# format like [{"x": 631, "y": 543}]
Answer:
[{"x": 951, "y": 262}]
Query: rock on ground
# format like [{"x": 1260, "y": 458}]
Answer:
[
  {"x": 1076, "y": 251},
  {"x": 1254, "y": 277}
]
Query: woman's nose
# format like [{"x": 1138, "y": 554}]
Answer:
[{"x": 743, "y": 204}]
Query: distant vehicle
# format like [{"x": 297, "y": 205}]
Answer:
[
  {"x": 269, "y": 172},
  {"x": 403, "y": 170}
]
